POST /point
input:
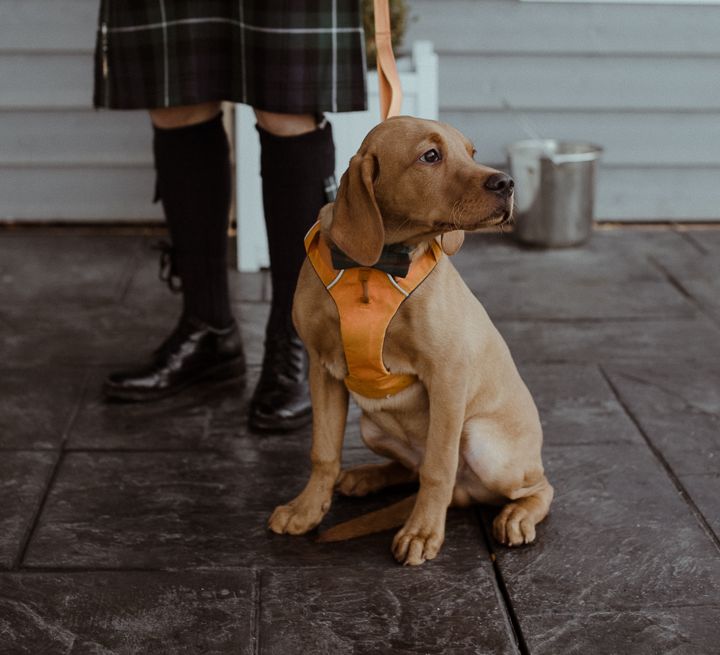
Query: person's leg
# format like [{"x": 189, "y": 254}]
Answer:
[
  {"x": 297, "y": 167},
  {"x": 194, "y": 183},
  {"x": 168, "y": 118},
  {"x": 192, "y": 158}
]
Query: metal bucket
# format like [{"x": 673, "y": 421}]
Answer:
[{"x": 554, "y": 190}]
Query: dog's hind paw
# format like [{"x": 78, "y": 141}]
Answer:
[
  {"x": 361, "y": 481},
  {"x": 369, "y": 478},
  {"x": 514, "y": 526}
]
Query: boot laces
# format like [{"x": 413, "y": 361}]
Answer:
[{"x": 167, "y": 270}]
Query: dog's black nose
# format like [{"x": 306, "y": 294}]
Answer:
[{"x": 500, "y": 183}]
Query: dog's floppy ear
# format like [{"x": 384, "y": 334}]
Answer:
[
  {"x": 357, "y": 227},
  {"x": 450, "y": 242}
]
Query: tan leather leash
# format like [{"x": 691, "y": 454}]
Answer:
[{"x": 388, "y": 78}]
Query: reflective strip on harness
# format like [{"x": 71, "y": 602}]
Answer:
[{"x": 364, "y": 319}]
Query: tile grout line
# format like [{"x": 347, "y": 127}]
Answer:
[
  {"x": 582, "y": 320},
  {"x": 71, "y": 569},
  {"x": 134, "y": 451},
  {"x": 672, "y": 280},
  {"x": 39, "y": 569},
  {"x": 129, "y": 275},
  {"x": 256, "y": 609},
  {"x": 25, "y": 544},
  {"x": 688, "y": 238},
  {"x": 501, "y": 591},
  {"x": 679, "y": 486},
  {"x": 680, "y": 288},
  {"x": 687, "y": 405},
  {"x": 38, "y": 512}
]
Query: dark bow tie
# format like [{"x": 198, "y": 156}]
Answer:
[{"x": 394, "y": 259}]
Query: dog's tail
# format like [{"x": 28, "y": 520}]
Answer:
[{"x": 383, "y": 519}]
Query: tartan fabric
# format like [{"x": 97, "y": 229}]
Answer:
[{"x": 287, "y": 56}]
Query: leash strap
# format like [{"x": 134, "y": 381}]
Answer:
[{"x": 388, "y": 78}]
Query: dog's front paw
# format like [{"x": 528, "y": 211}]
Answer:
[
  {"x": 514, "y": 526},
  {"x": 297, "y": 517},
  {"x": 418, "y": 541}
]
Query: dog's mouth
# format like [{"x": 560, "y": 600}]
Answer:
[
  {"x": 495, "y": 220},
  {"x": 440, "y": 227},
  {"x": 501, "y": 217}
]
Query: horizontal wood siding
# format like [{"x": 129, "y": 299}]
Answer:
[
  {"x": 515, "y": 27},
  {"x": 41, "y": 80},
  {"x": 48, "y": 25},
  {"x": 641, "y": 80},
  {"x": 79, "y": 137},
  {"x": 78, "y": 193},
  {"x": 61, "y": 160},
  {"x": 581, "y": 82}
]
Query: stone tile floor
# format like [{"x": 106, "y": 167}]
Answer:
[{"x": 141, "y": 528}]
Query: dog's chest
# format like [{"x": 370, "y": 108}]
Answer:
[{"x": 396, "y": 352}]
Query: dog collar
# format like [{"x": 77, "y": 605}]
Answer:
[{"x": 394, "y": 260}]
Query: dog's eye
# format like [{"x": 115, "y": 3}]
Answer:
[{"x": 431, "y": 156}]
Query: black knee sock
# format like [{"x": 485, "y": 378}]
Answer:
[
  {"x": 294, "y": 172},
  {"x": 194, "y": 184}
]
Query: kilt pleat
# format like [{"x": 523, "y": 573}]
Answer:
[{"x": 288, "y": 56}]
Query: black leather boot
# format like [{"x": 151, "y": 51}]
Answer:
[
  {"x": 193, "y": 353},
  {"x": 194, "y": 184},
  {"x": 281, "y": 402}
]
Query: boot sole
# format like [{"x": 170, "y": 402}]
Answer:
[{"x": 232, "y": 369}]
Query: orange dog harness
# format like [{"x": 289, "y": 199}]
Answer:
[{"x": 366, "y": 300}]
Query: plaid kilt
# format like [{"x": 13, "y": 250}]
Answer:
[{"x": 287, "y": 56}]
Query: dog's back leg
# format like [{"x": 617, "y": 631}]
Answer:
[{"x": 515, "y": 524}]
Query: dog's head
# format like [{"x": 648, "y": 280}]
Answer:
[{"x": 413, "y": 180}]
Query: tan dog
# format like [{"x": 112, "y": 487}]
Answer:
[{"x": 468, "y": 427}]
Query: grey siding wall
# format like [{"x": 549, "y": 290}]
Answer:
[
  {"x": 59, "y": 158},
  {"x": 641, "y": 80}
]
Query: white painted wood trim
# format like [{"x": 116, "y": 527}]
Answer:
[{"x": 419, "y": 78}]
